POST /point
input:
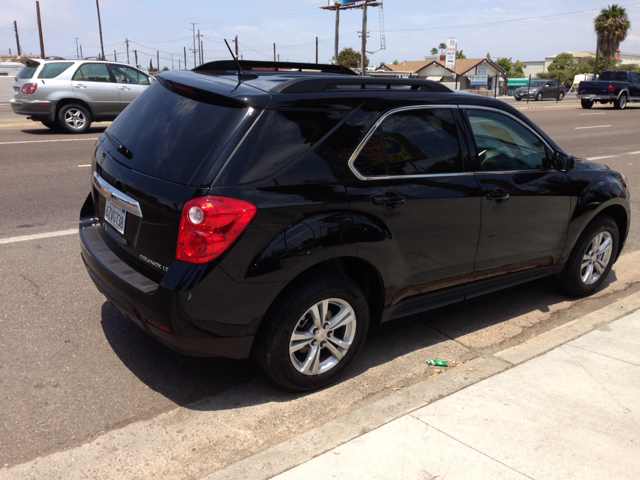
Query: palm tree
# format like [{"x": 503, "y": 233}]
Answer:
[
  {"x": 611, "y": 27},
  {"x": 442, "y": 47},
  {"x": 434, "y": 51}
]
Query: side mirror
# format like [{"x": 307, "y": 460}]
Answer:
[{"x": 563, "y": 162}]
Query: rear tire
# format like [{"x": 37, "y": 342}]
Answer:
[
  {"x": 74, "y": 118},
  {"x": 621, "y": 103},
  {"x": 560, "y": 96},
  {"x": 586, "y": 103},
  {"x": 314, "y": 333},
  {"x": 591, "y": 258},
  {"x": 539, "y": 97},
  {"x": 517, "y": 98}
]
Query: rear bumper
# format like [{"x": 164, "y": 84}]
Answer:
[
  {"x": 596, "y": 98},
  {"x": 157, "y": 307},
  {"x": 38, "y": 109}
]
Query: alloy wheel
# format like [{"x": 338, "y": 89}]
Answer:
[
  {"x": 75, "y": 118},
  {"x": 596, "y": 258},
  {"x": 322, "y": 336}
]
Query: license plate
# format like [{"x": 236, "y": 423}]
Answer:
[{"x": 115, "y": 216}]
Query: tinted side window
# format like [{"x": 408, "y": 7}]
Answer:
[
  {"x": 276, "y": 140},
  {"x": 421, "y": 142},
  {"x": 129, "y": 75},
  {"x": 52, "y": 70},
  {"x": 27, "y": 71},
  {"x": 371, "y": 160},
  {"x": 93, "y": 72},
  {"x": 635, "y": 77},
  {"x": 503, "y": 144}
]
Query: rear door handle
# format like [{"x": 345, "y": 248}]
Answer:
[
  {"x": 80, "y": 86},
  {"x": 498, "y": 195},
  {"x": 125, "y": 88},
  {"x": 389, "y": 200}
]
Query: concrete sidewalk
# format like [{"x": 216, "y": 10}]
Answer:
[{"x": 572, "y": 412}]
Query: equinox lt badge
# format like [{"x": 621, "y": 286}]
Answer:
[{"x": 155, "y": 264}]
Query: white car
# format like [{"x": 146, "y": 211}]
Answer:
[{"x": 70, "y": 94}]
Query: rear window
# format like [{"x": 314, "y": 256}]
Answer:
[
  {"x": 614, "y": 77},
  {"x": 52, "y": 70},
  {"x": 169, "y": 135},
  {"x": 28, "y": 71}
]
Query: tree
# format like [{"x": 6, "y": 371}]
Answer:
[
  {"x": 513, "y": 69},
  {"x": 395, "y": 62},
  {"x": 434, "y": 51},
  {"x": 442, "y": 47},
  {"x": 611, "y": 27},
  {"x": 381, "y": 64},
  {"x": 488, "y": 55},
  {"x": 459, "y": 54},
  {"x": 586, "y": 65},
  {"x": 348, "y": 57},
  {"x": 563, "y": 68},
  {"x": 165, "y": 69}
]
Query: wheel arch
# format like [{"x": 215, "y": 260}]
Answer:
[
  {"x": 360, "y": 271},
  {"x": 67, "y": 101},
  {"x": 621, "y": 217}
]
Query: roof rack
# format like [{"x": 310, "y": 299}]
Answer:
[
  {"x": 230, "y": 67},
  {"x": 335, "y": 83},
  {"x": 54, "y": 58}
]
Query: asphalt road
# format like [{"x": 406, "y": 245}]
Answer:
[{"x": 71, "y": 367}]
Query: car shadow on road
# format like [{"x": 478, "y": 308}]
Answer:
[
  {"x": 195, "y": 383},
  {"x": 45, "y": 132}
]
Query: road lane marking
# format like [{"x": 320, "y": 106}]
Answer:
[
  {"x": 47, "y": 141},
  {"x": 595, "y": 113},
  {"x": 595, "y": 126},
  {"x": 37, "y": 236},
  {"x": 613, "y": 156},
  {"x": 88, "y": 165}
]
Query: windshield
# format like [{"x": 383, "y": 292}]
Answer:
[
  {"x": 169, "y": 136},
  {"x": 614, "y": 76}
]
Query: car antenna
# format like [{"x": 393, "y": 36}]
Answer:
[{"x": 241, "y": 75}]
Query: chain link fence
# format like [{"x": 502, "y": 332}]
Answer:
[{"x": 6, "y": 92}]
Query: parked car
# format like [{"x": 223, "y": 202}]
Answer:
[
  {"x": 540, "y": 89},
  {"x": 71, "y": 94},
  {"x": 616, "y": 87},
  {"x": 282, "y": 209}
]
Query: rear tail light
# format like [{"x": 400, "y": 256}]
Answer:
[
  {"x": 209, "y": 225},
  {"x": 29, "y": 88},
  {"x": 611, "y": 88}
]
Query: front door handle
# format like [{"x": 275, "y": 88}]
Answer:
[
  {"x": 389, "y": 200},
  {"x": 125, "y": 88},
  {"x": 498, "y": 195}
]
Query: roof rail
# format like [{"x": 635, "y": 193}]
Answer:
[
  {"x": 229, "y": 67},
  {"x": 335, "y": 83}
]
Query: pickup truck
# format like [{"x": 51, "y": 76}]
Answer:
[{"x": 617, "y": 87}]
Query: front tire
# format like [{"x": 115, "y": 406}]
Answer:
[
  {"x": 74, "y": 118},
  {"x": 591, "y": 258},
  {"x": 586, "y": 103},
  {"x": 560, "y": 96},
  {"x": 314, "y": 333},
  {"x": 539, "y": 97}
]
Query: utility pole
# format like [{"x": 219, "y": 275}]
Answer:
[
  {"x": 127, "y": 42},
  {"x": 337, "y": 32},
  {"x": 115, "y": 56},
  {"x": 316, "y": 50},
  {"x": 274, "y": 52},
  {"x": 364, "y": 35},
  {"x": 172, "y": 67},
  {"x": 194, "y": 45},
  {"x": 135, "y": 54},
  {"x": 158, "y": 60},
  {"x": 15, "y": 25},
  {"x": 81, "y": 55},
  {"x": 77, "y": 52},
  {"x": 201, "y": 52},
  {"x": 100, "y": 27},
  {"x": 185, "y": 58},
  {"x": 40, "y": 30},
  {"x": 179, "y": 66},
  {"x": 236, "y": 46},
  {"x": 199, "y": 49}
]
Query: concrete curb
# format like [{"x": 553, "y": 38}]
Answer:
[{"x": 314, "y": 442}]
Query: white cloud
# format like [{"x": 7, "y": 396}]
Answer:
[
  {"x": 632, "y": 39},
  {"x": 496, "y": 9},
  {"x": 243, "y": 28}
]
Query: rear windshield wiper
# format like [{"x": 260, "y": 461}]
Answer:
[{"x": 120, "y": 148}]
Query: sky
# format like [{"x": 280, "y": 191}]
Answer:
[{"x": 520, "y": 30}]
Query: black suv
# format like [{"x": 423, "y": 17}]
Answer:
[{"x": 280, "y": 209}]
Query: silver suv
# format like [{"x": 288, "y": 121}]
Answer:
[{"x": 70, "y": 94}]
